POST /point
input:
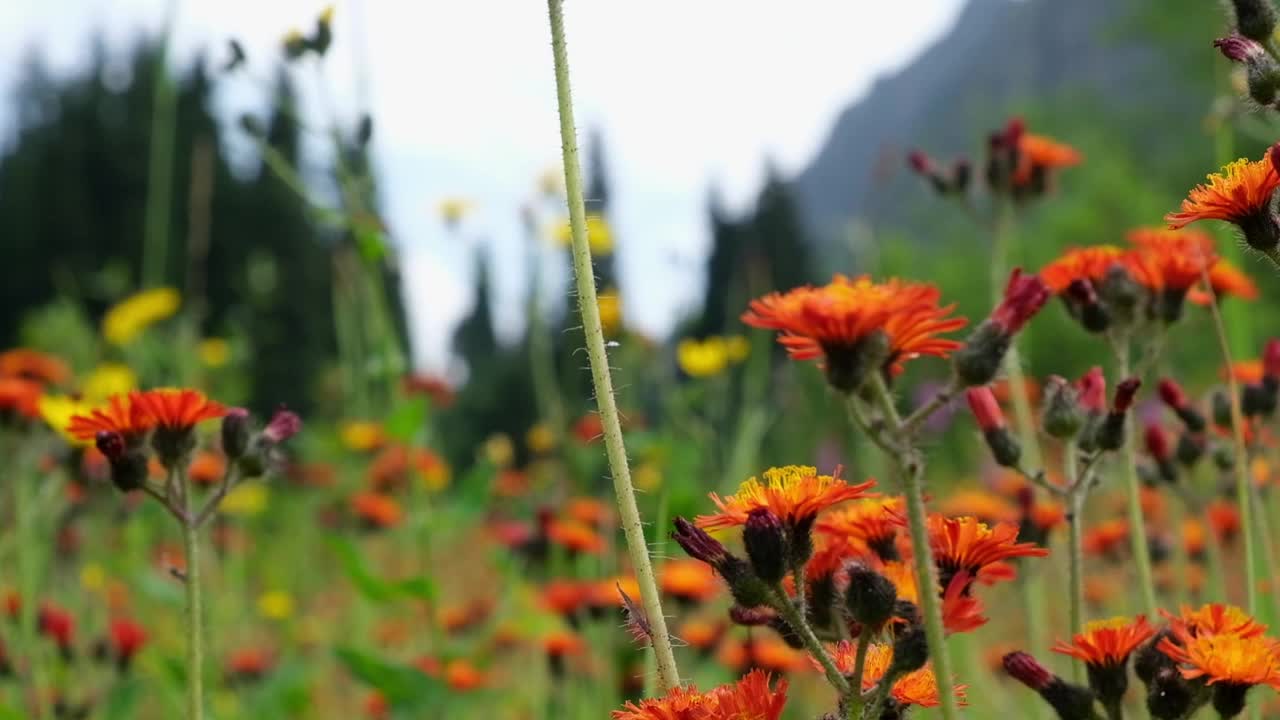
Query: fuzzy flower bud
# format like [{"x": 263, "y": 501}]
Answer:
[
  {"x": 1263, "y": 74},
  {"x": 1082, "y": 300},
  {"x": 1271, "y": 359},
  {"x": 751, "y": 616},
  {"x": 1190, "y": 449},
  {"x": 1063, "y": 414},
  {"x": 1126, "y": 391},
  {"x": 128, "y": 465},
  {"x": 766, "y": 545},
  {"x": 1024, "y": 295},
  {"x": 1093, "y": 390},
  {"x": 1238, "y": 48},
  {"x": 1004, "y": 446},
  {"x": 698, "y": 543},
  {"x": 1160, "y": 449},
  {"x": 235, "y": 432},
  {"x": 979, "y": 360},
  {"x": 284, "y": 425},
  {"x": 910, "y": 650},
  {"x": 870, "y": 597},
  {"x": 745, "y": 587},
  {"x": 1071, "y": 702},
  {"x": 1173, "y": 396},
  {"x": 110, "y": 444},
  {"x": 1221, "y": 409},
  {"x": 1255, "y": 19}
]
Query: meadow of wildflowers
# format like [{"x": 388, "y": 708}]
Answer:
[{"x": 648, "y": 548}]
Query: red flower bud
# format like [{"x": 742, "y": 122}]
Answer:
[
  {"x": 1171, "y": 393},
  {"x": 698, "y": 543},
  {"x": 1157, "y": 443},
  {"x": 284, "y": 425},
  {"x": 1013, "y": 132},
  {"x": 1274, "y": 155},
  {"x": 1024, "y": 295},
  {"x": 1238, "y": 48},
  {"x": 1093, "y": 390},
  {"x": 110, "y": 444},
  {"x": 1027, "y": 670},
  {"x": 921, "y": 162},
  {"x": 985, "y": 408},
  {"x": 1271, "y": 357},
  {"x": 1126, "y": 391}
]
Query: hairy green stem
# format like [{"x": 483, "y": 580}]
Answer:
[
  {"x": 1133, "y": 489},
  {"x": 795, "y": 618},
  {"x": 910, "y": 466},
  {"x": 584, "y": 276},
  {"x": 1075, "y": 519},
  {"x": 195, "y": 630},
  {"x": 859, "y": 667}
]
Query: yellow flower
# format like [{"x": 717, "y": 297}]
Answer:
[
  {"x": 647, "y": 476},
  {"x": 326, "y": 15},
  {"x": 214, "y": 352},
  {"x": 499, "y": 450},
  {"x": 246, "y": 500},
  {"x": 106, "y": 380},
  {"x": 702, "y": 358},
  {"x": 129, "y": 317},
  {"x": 610, "y": 304},
  {"x": 92, "y": 577},
  {"x": 453, "y": 210},
  {"x": 737, "y": 347},
  {"x": 599, "y": 236},
  {"x": 275, "y": 605},
  {"x": 57, "y": 411},
  {"x": 360, "y": 435},
  {"x": 540, "y": 439}
]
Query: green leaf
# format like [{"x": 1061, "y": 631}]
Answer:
[
  {"x": 420, "y": 588},
  {"x": 120, "y": 701},
  {"x": 371, "y": 587},
  {"x": 407, "y": 420},
  {"x": 370, "y": 243},
  {"x": 402, "y": 686}
]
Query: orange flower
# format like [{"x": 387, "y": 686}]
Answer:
[
  {"x": 207, "y": 468},
  {"x": 982, "y": 504},
  {"x": 1248, "y": 372},
  {"x": 123, "y": 414},
  {"x": 177, "y": 409},
  {"x": 565, "y": 597},
  {"x": 589, "y": 511},
  {"x": 1228, "y": 658},
  {"x": 1169, "y": 259},
  {"x": 561, "y": 643},
  {"x": 795, "y": 493},
  {"x": 689, "y": 580},
  {"x": 1107, "y": 643},
  {"x": 376, "y": 509},
  {"x": 961, "y": 610},
  {"x": 765, "y": 652},
  {"x": 1224, "y": 518},
  {"x": 1240, "y": 194},
  {"x": 915, "y": 688},
  {"x": 873, "y": 522},
  {"x": 575, "y": 537},
  {"x": 33, "y": 365},
  {"x": 748, "y": 699},
  {"x": 1106, "y": 538},
  {"x": 1087, "y": 263},
  {"x": 250, "y": 663},
  {"x": 1225, "y": 279},
  {"x": 604, "y": 593},
  {"x": 20, "y": 396},
  {"x": 839, "y": 321},
  {"x": 1216, "y": 619},
  {"x": 701, "y": 634},
  {"x": 1037, "y": 152},
  {"x": 965, "y": 544},
  {"x": 462, "y": 676}
]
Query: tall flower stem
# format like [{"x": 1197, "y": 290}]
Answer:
[
  {"x": 790, "y": 612},
  {"x": 668, "y": 675},
  {"x": 1075, "y": 519},
  {"x": 195, "y": 614},
  {"x": 910, "y": 467},
  {"x": 1241, "y": 457},
  {"x": 1137, "y": 521},
  {"x": 859, "y": 667}
]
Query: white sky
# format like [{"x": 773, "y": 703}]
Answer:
[{"x": 687, "y": 93}]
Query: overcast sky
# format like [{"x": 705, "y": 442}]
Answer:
[{"x": 687, "y": 94}]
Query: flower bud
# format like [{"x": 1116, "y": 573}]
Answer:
[
  {"x": 1255, "y": 400},
  {"x": 751, "y": 616},
  {"x": 1004, "y": 446},
  {"x": 1083, "y": 303},
  {"x": 961, "y": 172},
  {"x": 978, "y": 361},
  {"x": 870, "y": 597},
  {"x": 1171, "y": 696},
  {"x": 1173, "y": 396},
  {"x": 1148, "y": 658},
  {"x": 1224, "y": 457},
  {"x": 1063, "y": 414},
  {"x": 1160, "y": 449},
  {"x": 1071, "y": 702},
  {"x": 284, "y": 425},
  {"x": 1255, "y": 19},
  {"x": 698, "y": 543},
  {"x": 821, "y": 600},
  {"x": 1126, "y": 391},
  {"x": 1228, "y": 699},
  {"x": 1221, "y": 409},
  {"x": 1238, "y": 48},
  {"x": 1271, "y": 354},
  {"x": 766, "y": 545},
  {"x": 745, "y": 587},
  {"x": 1093, "y": 390},
  {"x": 1024, "y": 295},
  {"x": 110, "y": 444},
  {"x": 1190, "y": 449},
  {"x": 910, "y": 650},
  {"x": 235, "y": 433}
]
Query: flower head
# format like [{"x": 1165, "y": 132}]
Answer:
[
  {"x": 749, "y": 699},
  {"x": 919, "y": 687},
  {"x": 1087, "y": 263},
  {"x": 1038, "y": 153},
  {"x": 20, "y": 397},
  {"x": 1225, "y": 280},
  {"x": 1024, "y": 295},
  {"x": 122, "y": 414},
  {"x": 376, "y": 510},
  {"x": 1224, "y": 658},
  {"x": 34, "y": 365},
  {"x": 795, "y": 493},
  {"x": 177, "y": 409},
  {"x": 1240, "y": 194},
  {"x": 966, "y": 544},
  {"x": 1169, "y": 259},
  {"x": 857, "y": 325},
  {"x": 1107, "y": 642},
  {"x": 874, "y": 522}
]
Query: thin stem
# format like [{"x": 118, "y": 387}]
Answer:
[
  {"x": 859, "y": 667},
  {"x": 195, "y": 635},
  {"x": 1115, "y": 710},
  {"x": 668, "y": 675},
  {"x": 1137, "y": 522},
  {"x": 229, "y": 480},
  {"x": 793, "y": 617},
  {"x": 910, "y": 467},
  {"x": 1241, "y": 455},
  {"x": 1075, "y": 518},
  {"x": 924, "y": 412}
]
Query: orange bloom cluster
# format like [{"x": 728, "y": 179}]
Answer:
[
  {"x": 915, "y": 688},
  {"x": 1087, "y": 263},
  {"x": 133, "y": 415},
  {"x": 20, "y": 397},
  {"x": 376, "y": 510},
  {"x": 1222, "y": 644},
  {"x": 795, "y": 493},
  {"x": 33, "y": 365},
  {"x": 873, "y": 522},
  {"x": 1169, "y": 259},
  {"x": 1238, "y": 194},
  {"x": 751, "y": 697},
  {"x": 838, "y": 321}
]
